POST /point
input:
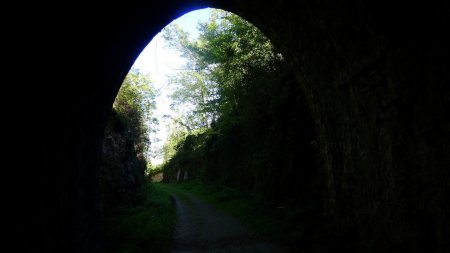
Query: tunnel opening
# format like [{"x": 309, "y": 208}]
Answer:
[
  {"x": 374, "y": 75},
  {"x": 352, "y": 79},
  {"x": 238, "y": 118}
]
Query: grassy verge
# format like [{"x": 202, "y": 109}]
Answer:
[
  {"x": 145, "y": 227},
  {"x": 279, "y": 226}
]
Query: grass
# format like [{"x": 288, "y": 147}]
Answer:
[
  {"x": 279, "y": 226},
  {"x": 145, "y": 227},
  {"x": 149, "y": 225}
]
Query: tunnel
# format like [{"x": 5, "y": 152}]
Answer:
[{"x": 375, "y": 76}]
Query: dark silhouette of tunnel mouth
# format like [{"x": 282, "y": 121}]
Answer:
[{"x": 373, "y": 74}]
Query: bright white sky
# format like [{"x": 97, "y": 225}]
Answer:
[{"x": 160, "y": 62}]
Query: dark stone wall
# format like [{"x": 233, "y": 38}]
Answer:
[
  {"x": 376, "y": 80},
  {"x": 122, "y": 170},
  {"x": 375, "y": 76}
]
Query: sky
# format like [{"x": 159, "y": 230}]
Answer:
[{"x": 160, "y": 62}]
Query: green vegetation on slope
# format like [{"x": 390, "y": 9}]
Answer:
[
  {"x": 256, "y": 130},
  {"x": 145, "y": 227},
  {"x": 125, "y": 145},
  {"x": 136, "y": 215},
  {"x": 135, "y": 104},
  {"x": 250, "y": 129}
]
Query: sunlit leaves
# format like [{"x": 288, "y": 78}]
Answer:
[
  {"x": 228, "y": 51},
  {"x": 226, "y": 64},
  {"x": 135, "y": 104}
]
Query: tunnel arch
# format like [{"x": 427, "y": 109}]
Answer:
[
  {"x": 340, "y": 60},
  {"x": 374, "y": 74}
]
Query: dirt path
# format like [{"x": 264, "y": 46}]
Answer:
[{"x": 203, "y": 228}]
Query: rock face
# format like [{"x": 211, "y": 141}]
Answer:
[
  {"x": 121, "y": 171},
  {"x": 375, "y": 76}
]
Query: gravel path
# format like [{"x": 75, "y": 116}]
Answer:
[{"x": 203, "y": 228}]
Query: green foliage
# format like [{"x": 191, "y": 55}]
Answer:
[
  {"x": 154, "y": 170},
  {"x": 229, "y": 53},
  {"x": 134, "y": 105},
  {"x": 145, "y": 227},
  {"x": 192, "y": 98},
  {"x": 126, "y": 143},
  {"x": 136, "y": 216},
  {"x": 189, "y": 155},
  {"x": 229, "y": 57},
  {"x": 259, "y": 138},
  {"x": 170, "y": 147}
]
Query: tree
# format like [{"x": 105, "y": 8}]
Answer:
[
  {"x": 135, "y": 104},
  {"x": 229, "y": 54},
  {"x": 224, "y": 83}
]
